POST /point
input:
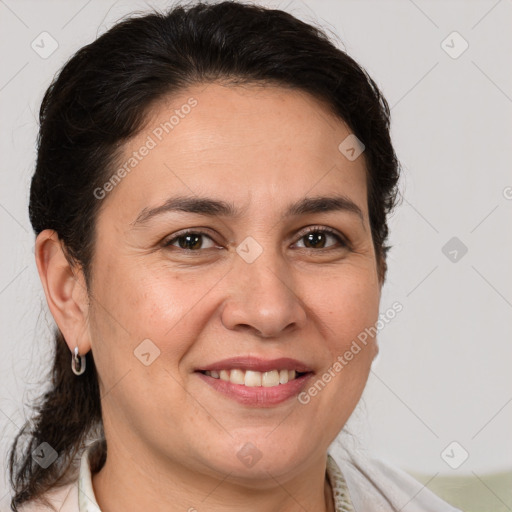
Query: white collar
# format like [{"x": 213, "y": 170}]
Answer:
[{"x": 86, "y": 497}]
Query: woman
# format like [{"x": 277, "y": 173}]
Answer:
[{"x": 210, "y": 203}]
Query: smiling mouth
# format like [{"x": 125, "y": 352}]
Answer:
[{"x": 250, "y": 378}]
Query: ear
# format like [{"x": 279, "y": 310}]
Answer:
[{"x": 65, "y": 290}]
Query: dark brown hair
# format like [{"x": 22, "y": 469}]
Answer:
[{"x": 100, "y": 100}]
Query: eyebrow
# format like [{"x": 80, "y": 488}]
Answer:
[{"x": 214, "y": 207}]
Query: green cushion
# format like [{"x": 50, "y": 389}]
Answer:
[{"x": 472, "y": 493}]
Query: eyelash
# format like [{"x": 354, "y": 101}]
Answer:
[{"x": 312, "y": 229}]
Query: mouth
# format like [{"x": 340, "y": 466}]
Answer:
[
  {"x": 251, "y": 378},
  {"x": 256, "y": 382}
]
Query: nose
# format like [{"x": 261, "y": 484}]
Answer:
[{"x": 262, "y": 298}]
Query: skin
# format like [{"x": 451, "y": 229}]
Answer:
[{"x": 172, "y": 439}]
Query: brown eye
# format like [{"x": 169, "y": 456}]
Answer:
[
  {"x": 315, "y": 238},
  {"x": 189, "y": 241}
]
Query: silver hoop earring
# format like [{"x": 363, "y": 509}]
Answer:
[{"x": 77, "y": 363}]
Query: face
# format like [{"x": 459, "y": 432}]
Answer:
[{"x": 199, "y": 312}]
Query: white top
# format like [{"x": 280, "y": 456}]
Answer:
[{"x": 358, "y": 484}]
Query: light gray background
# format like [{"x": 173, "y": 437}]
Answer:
[{"x": 443, "y": 372}]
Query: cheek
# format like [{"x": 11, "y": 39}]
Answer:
[
  {"x": 141, "y": 311},
  {"x": 169, "y": 308},
  {"x": 350, "y": 310},
  {"x": 352, "y": 307}
]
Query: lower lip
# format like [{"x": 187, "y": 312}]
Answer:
[{"x": 259, "y": 396}]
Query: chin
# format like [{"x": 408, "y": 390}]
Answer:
[{"x": 260, "y": 457}]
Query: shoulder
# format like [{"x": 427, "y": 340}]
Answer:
[
  {"x": 62, "y": 499},
  {"x": 374, "y": 483}
]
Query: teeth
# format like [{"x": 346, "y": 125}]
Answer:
[
  {"x": 270, "y": 379},
  {"x": 251, "y": 378},
  {"x": 236, "y": 377}
]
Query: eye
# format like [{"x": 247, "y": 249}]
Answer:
[
  {"x": 189, "y": 241},
  {"x": 317, "y": 235}
]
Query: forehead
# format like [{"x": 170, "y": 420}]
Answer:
[{"x": 260, "y": 142}]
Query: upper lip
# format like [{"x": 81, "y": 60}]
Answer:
[{"x": 257, "y": 364}]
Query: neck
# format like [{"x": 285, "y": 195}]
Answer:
[{"x": 170, "y": 487}]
